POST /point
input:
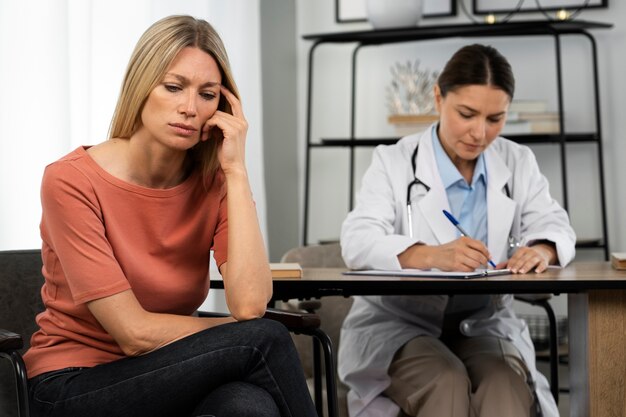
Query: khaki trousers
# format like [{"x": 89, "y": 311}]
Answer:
[{"x": 468, "y": 377}]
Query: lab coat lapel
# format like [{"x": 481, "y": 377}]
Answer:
[
  {"x": 500, "y": 208},
  {"x": 432, "y": 203}
]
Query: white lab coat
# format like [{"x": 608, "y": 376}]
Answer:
[{"x": 375, "y": 232}]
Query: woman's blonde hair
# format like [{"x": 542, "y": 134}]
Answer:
[{"x": 153, "y": 54}]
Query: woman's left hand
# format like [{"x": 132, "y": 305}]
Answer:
[
  {"x": 230, "y": 130},
  {"x": 527, "y": 258}
]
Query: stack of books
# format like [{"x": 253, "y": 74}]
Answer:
[
  {"x": 530, "y": 117},
  {"x": 618, "y": 260},
  {"x": 525, "y": 117},
  {"x": 286, "y": 270},
  {"x": 407, "y": 124}
]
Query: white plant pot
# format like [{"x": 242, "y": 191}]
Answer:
[{"x": 386, "y": 14}]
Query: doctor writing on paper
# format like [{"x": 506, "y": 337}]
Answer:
[{"x": 463, "y": 355}]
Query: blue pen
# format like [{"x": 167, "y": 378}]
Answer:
[{"x": 456, "y": 224}]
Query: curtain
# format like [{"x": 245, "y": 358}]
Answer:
[{"x": 61, "y": 67}]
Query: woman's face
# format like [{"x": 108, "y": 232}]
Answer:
[
  {"x": 470, "y": 118},
  {"x": 183, "y": 101}
]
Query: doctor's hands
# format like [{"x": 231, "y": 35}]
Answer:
[
  {"x": 464, "y": 254},
  {"x": 527, "y": 258}
]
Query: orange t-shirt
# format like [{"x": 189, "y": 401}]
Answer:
[{"x": 102, "y": 236}]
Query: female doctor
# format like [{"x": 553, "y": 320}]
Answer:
[{"x": 462, "y": 355}]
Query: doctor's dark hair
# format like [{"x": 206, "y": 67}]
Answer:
[{"x": 477, "y": 65}]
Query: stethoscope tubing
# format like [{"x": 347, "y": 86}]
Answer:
[{"x": 416, "y": 181}]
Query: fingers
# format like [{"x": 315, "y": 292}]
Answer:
[
  {"x": 235, "y": 121},
  {"x": 228, "y": 124},
  {"x": 463, "y": 254},
  {"x": 502, "y": 265},
  {"x": 207, "y": 132},
  {"x": 526, "y": 259},
  {"x": 477, "y": 251},
  {"x": 234, "y": 102},
  {"x": 225, "y": 121},
  {"x": 468, "y": 263}
]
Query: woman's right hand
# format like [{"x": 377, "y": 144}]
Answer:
[
  {"x": 230, "y": 131},
  {"x": 463, "y": 254}
]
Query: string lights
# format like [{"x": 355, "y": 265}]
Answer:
[
  {"x": 561, "y": 14},
  {"x": 491, "y": 18}
]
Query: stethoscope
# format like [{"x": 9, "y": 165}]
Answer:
[
  {"x": 416, "y": 181},
  {"x": 514, "y": 242}
]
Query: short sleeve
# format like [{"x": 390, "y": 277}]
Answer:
[{"x": 72, "y": 225}]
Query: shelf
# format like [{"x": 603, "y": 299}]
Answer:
[
  {"x": 417, "y": 33},
  {"x": 547, "y": 28},
  {"x": 590, "y": 244},
  {"x": 526, "y": 139}
]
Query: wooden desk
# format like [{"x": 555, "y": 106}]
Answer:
[{"x": 596, "y": 311}]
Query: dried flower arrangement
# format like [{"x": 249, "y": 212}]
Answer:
[{"x": 411, "y": 89}]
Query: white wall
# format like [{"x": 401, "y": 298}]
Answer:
[
  {"x": 532, "y": 59},
  {"x": 61, "y": 67},
  {"x": 280, "y": 124}
]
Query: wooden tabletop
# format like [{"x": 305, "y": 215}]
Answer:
[
  {"x": 600, "y": 272},
  {"x": 577, "y": 277}
]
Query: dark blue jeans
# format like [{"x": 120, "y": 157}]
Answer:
[{"x": 240, "y": 369}]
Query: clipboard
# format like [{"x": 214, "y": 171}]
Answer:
[{"x": 431, "y": 273}]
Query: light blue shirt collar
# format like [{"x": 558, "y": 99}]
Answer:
[
  {"x": 468, "y": 202},
  {"x": 448, "y": 172}
]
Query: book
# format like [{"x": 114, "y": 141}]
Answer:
[
  {"x": 517, "y": 127},
  {"x": 532, "y": 116},
  {"x": 412, "y": 118},
  {"x": 530, "y": 106},
  {"x": 545, "y": 126},
  {"x": 407, "y": 124},
  {"x": 430, "y": 273},
  {"x": 618, "y": 260},
  {"x": 286, "y": 270},
  {"x": 530, "y": 126}
]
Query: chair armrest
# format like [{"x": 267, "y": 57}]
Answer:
[
  {"x": 10, "y": 341},
  {"x": 533, "y": 298},
  {"x": 293, "y": 320},
  {"x": 310, "y": 305},
  {"x": 211, "y": 314}
]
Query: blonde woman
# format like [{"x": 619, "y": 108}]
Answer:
[{"x": 127, "y": 228}]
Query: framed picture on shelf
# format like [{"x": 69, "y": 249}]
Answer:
[
  {"x": 350, "y": 11},
  {"x": 485, "y": 7}
]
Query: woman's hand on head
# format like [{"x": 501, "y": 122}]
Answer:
[
  {"x": 528, "y": 258},
  {"x": 230, "y": 131}
]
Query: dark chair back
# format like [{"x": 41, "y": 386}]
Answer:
[
  {"x": 20, "y": 291},
  {"x": 20, "y": 301}
]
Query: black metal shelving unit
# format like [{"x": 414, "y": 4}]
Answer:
[{"x": 553, "y": 29}]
